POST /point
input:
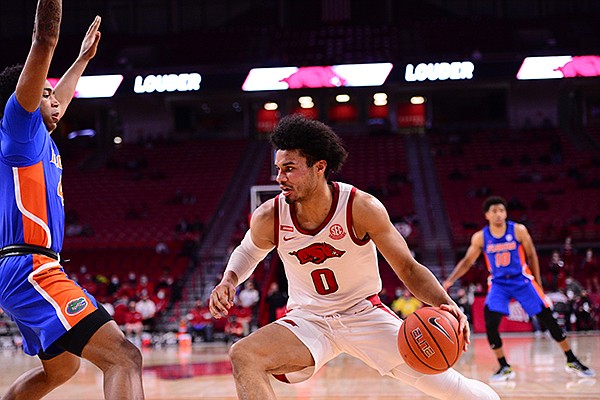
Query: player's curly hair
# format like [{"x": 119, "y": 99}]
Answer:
[
  {"x": 313, "y": 139},
  {"x": 8, "y": 83},
  {"x": 492, "y": 201}
]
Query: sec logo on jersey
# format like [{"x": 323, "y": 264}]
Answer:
[{"x": 336, "y": 232}]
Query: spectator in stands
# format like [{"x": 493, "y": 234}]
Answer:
[
  {"x": 573, "y": 288},
  {"x": 200, "y": 321},
  {"x": 276, "y": 300},
  {"x": 406, "y": 304},
  {"x": 165, "y": 280},
  {"x": 234, "y": 330},
  {"x": 128, "y": 287},
  {"x": 590, "y": 270},
  {"x": 133, "y": 323},
  {"x": 248, "y": 299},
  {"x": 144, "y": 287},
  {"x": 515, "y": 274},
  {"x": 568, "y": 253},
  {"x": 146, "y": 307},
  {"x": 161, "y": 248},
  {"x": 464, "y": 302},
  {"x": 249, "y": 295},
  {"x": 113, "y": 286},
  {"x": 89, "y": 284},
  {"x": 161, "y": 300},
  {"x": 556, "y": 267},
  {"x": 584, "y": 311}
]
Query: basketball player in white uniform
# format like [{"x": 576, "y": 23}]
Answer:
[{"x": 326, "y": 235}]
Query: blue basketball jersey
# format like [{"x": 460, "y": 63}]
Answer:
[
  {"x": 504, "y": 256},
  {"x": 32, "y": 207},
  {"x": 511, "y": 277}
]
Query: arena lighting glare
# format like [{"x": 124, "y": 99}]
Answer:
[
  {"x": 348, "y": 75},
  {"x": 271, "y": 106},
  {"x": 81, "y": 133},
  {"x": 306, "y": 102},
  {"x": 167, "y": 83},
  {"x": 342, "y": 98},
  {"x": 92, "y": 87},
  {"x": 417, "y": 100},
  {"x": 558, "y": 67},
  {"x": 380, "y": 99},
  {"x": 439, "y": 71}
]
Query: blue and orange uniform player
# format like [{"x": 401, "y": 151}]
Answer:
[
  {"x": 514, "y": 270},
  {"x": 32, "y": 214},
  {"x": 59, "y": 321}
]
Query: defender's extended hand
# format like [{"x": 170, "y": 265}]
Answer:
[{"x": 91, "y": 40}]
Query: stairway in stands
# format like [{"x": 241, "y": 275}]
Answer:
[
  {"x": 436, "y": 242},
  {"x": 213, "y": 253}
]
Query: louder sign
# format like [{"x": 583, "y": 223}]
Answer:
[{"x": 439, "y": 71}]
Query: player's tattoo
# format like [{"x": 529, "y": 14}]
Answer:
[{"x": 47, "y": 18}]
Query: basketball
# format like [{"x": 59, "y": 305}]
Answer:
[{"x": 429, "y": 340}]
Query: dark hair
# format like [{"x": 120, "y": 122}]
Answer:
[
  {"x": 493, "y": 200},
  {"x": 313, "y": 139},
  {"x": 8, "y": 83}
]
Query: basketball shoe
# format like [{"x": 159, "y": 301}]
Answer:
[
  {"x": 503, "y": 374},
  {"x": 576, "y": 367}
]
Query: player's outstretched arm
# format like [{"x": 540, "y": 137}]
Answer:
[
  {"x": 45, "y": 38},
  {"x": 467, "y": 261},
  {"x": 66, "y": 86}
]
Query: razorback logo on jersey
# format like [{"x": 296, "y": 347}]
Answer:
[{"x": 317, "y": 253}]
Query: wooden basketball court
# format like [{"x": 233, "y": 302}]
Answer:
[{"x": 203, "y": 372}]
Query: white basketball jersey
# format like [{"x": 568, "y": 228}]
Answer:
[{"x": 328, "y": 269}]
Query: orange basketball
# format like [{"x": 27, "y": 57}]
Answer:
[{"x": 429, "y": 340}]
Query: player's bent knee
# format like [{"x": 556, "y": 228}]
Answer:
[
  {"x": 238, "y": 353},
  {"x": 129, "y": 355},
  {"x": 242, "y": 355},
  {"x": 114, "y": 352}
]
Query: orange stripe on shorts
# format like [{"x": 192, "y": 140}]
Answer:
[{"x": 67, "y": 298}]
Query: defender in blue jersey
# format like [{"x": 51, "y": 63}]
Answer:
[
  {"x": 514, "y": 269},
  {"x": 59, "y": 321}
]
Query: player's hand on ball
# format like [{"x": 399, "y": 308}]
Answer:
[{"x": 463, "y": 322}]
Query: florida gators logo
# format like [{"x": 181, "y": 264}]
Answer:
[
  {"x": 76, "y": 306},
  {"x": 317, "y": 253}
]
